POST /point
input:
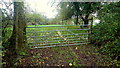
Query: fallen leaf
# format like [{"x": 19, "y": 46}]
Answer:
[
  {"x": 70, "y": 64},
  {"x": 76, "y": 48}
]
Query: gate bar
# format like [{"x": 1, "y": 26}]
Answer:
[
  {"x": 59, "y": 45},
  {"x": 56, "y": 26},
  {"x": 58, "y": 30}
]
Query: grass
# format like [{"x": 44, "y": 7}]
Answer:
[{"x": 60, "y": 35}]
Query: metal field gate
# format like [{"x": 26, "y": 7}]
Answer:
[{"x": 57, "y": 35}]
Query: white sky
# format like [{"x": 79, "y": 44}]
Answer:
[
  {"x": 43, "y": 6},
  {"x": 96, "y": 21}
]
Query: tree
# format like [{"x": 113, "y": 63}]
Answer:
[
  {"x": 17, "y": 40},
  {"x": 35, "y": 17},
  {"x": 65, "y": 10},
  {"x": 78, "y": 9}
]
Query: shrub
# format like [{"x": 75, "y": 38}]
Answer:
[{"x": 106, "y": 34}]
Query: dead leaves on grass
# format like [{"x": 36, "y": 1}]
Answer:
[{"x": 65, "y": 56}]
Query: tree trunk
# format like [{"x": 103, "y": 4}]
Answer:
[
  {"x": 19, "y": 25},
  {"x": 77, "y": 20},
  {"x": 17, "y": 40},
  {"x": 86, "y": 21}
]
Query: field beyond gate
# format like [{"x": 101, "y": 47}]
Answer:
[{"x": 42, "y": 36}]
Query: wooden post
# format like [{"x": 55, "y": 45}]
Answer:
[
  {"x": 90, "y": 31},
  {"x": 91, "y": 25}
]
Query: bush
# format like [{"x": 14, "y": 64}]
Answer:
[{"x": 106, "y": 34}]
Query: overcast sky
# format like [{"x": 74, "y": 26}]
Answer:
[{"x": 43, "y": 6}]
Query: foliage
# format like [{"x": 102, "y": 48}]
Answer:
[
  {"x": 107, "y": 33},
  {"x": 35, "y": 17},
  {"x": 60, "y": 22},
  {"x": 53, "y": 21},
  {"x": 66, "y": 10},
  {"x": 78, "y": 9},
  {"x": 7, "y": 20}
]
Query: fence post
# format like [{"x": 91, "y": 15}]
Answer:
[{"x": 91, "y": 30}]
